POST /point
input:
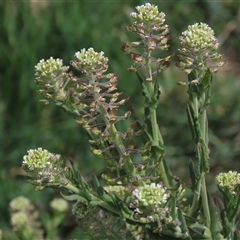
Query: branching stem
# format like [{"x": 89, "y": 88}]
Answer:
[{"x": 118, "y": 143}]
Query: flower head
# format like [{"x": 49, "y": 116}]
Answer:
[
  {"x": 81, "y": 210},
  {"x": 24, "y": 218},
  {"x": 229, "y": 181},
  {"x": 50, "y": 68},
  {"x": 150, "y": 27},
  {"x": 20, "y": 204},
  {"x": 19, "y": 220},
  {"x": 46, "y": 168},
  {"x": 229, "y": 185},
  {"x": 89, "y": 61},
  {"x": 198, "y": 49},
  {"x": 153, "y": 194},
  {"x": 148, "y": 13},
  {"x": 59, "y": 204},
  {"x": 51, "y": 78},
  {"x": 150, "y": 200}
]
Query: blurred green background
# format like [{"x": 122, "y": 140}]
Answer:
[{"x": 35, "y": 30}]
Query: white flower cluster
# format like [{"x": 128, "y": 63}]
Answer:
[
  {"x": 89, "y": 61},
  {"x": 148, "y": 13},
  {"x": 50, "y": 68},
  {"x": 44, "y": 168},
  {"x": 59, "y": 204},
  {"x": 19, "y": 220},
  {"x": 24, "y": 218},
  {"x": 39, "y": 159},
  {"x": 153, "y": 194},
  {"x": 19, "y": 204},
  {"x": 198, "y": 49},
  {"x": 200, "y": 36},
  {"x": 230, "y": 179}
]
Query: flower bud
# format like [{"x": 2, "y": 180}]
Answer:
[
  {"x": 59, "y": 204},
  {"x": 149, "y": 199},
  {"x": 148, "y": 13},
  {"x": 89, "y": 61},
  {"x": 46, "y": 169},
  {"x": 199, "y": 49},
  {"x": 51, "y": 78},
  {"x": 229, "y": 185},
  {"x": 228, "y": 180}
]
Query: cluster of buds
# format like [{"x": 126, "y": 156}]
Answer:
[
  {"x": 45, "y": 168},
  {"x": 80, "y": 210},
  {"x": 150, "y": 27},
  {"x": 52, "y": 79},
  {"x": 149, "y": 201},
  {"x": 24, "y": 218},
  {"x": 90, "y": 62},
  {"x": 59, "y": 205},
  {"x": 198, "y": 49},
  {"x": 229, "y": 184}
]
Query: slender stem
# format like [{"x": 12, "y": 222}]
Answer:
[
  {"x": 205, "y": 203},
  {"x": 159, "y": 142},
  {"x": 128, "y": 164},
  {"x": 203, "y": 121},
  {"x": 156, "y": 134},
  {"x": 118, "y": 143},
  {"x": 51, "y": 231},
  {"x": 202, "y": 153}
]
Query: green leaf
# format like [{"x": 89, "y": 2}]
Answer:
[
  {"x": 193, "y": 176},
  {"x": 101, "y": 192},
  {"x": 203, "y": 157},
  {"x": 169, "y": 174},
  {"x": 183, "y": 225},
  {"x": 206, "y": 80},
  {"x": 206, "y": 88},
  {"x": 75, "y": 197},
  {"x": 157, "y": 91},
  {"x": 145, "y": 91},
  {"x": 193, "y": 124},
  {"x": 216, "y": 226},
  {"x": 200, "y": 232}
]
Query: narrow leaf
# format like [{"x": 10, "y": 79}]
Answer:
[
  {"x": 75, "y": 197},
  {"x": 193, "y": 176},
  {"x": 216, "y": 226}
]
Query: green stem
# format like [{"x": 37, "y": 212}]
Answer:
[
  {"x": 128, "y": 165},
  {"x": 204, "y": 146},
  {"x": 156, "y": 134},
  {"x": 205, "y": 203},
  {"x": 51, "y": 230},
  {"x": 202, "y": 153},
  {"x": 157, "y": 137}
]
